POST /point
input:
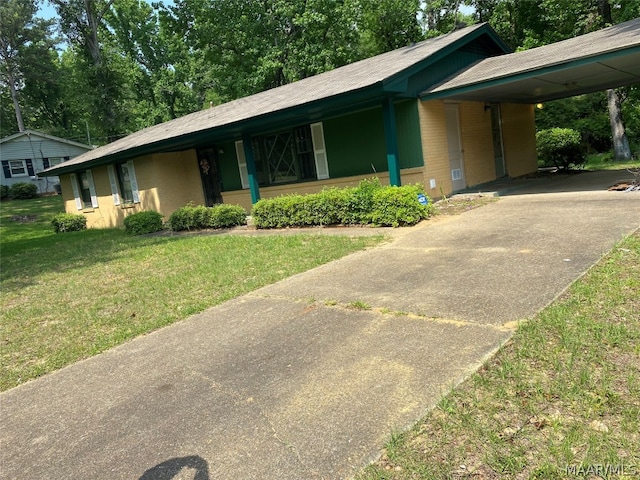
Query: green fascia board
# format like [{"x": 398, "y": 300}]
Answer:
[
  {"x": 526, "y": 75},
  {"x": 399, "y": 82}
]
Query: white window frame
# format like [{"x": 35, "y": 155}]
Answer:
[
  {"x": 24, "y": 168},
  {"x": 75, "y": 185},
  {"x": 116, "y": 194}
]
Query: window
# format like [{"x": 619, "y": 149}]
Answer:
[
  {"x": 289, "y": 156},
  {"x": 124, "y": 182},
  {"x": 17, "y": 168},
  {"x": 52, "y": 162},
  {"x": 124, "y": 187},
  {"x": 84, "y": 190}
]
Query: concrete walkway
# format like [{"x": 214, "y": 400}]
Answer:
[{"x": 291, "y": 381}]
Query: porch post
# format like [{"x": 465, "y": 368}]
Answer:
[
  {"x": 391, "y": 138},
  {"x": 251, "y": 168}
]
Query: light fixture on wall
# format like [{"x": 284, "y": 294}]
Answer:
[
  {"x": 487, "y": 106},
  {"x": 539, "y": 106}
]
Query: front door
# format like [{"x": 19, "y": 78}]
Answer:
[
  {"x": 496, "y": 132},
  {"x": 454, "y": 142},
  {"x": 208, "y": 166}
]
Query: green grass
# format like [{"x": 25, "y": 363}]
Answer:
[
  {"x": 604, "y": 161},
  {"x": 560, "y": 400},
  {"x": 68, "y": 296}
]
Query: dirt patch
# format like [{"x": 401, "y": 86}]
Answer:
[
  {"x": 462, "y": 203},
  {"x": 24, "y": 218}
]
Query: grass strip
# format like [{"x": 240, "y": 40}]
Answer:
[
  {"x": 69, "y": 296},
  {"x": 560, "y": 400}
]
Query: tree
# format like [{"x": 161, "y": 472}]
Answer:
[
  {"x": 82, "y": 21},
  {"x": 23, "y": 40},
  {"x": 389, "y": 24}
]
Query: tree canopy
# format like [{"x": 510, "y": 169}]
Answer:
[{"x": 105, "y": 68}]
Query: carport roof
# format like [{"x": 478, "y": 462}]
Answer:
[{"x": 607, "y": 58}]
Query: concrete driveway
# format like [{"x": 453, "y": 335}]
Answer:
[{"x": 294, "y": 381}]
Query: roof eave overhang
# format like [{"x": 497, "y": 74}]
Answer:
[{"x": 315, "y": 111}]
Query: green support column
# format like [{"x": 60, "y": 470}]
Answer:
[
  {"x": 391, "y": 138},
  {"x": 251, "y": 168}
]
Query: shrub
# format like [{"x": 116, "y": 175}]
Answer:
[
  {"x": 198, "y": 217},
  {"x": 141, "y": 223},
  {"x": 560, "y": 147},
  {"x": 23, "y": 190},
  {"x": 367, "y": 203},
  {"x": 4, "y": 191},
  {"x": 224, "y": 216},
  {"x": 69, "y": 222},
  {"x": 398, "y": 206}
]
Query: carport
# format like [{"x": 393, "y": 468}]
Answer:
[{"x": 597, "y": 61}]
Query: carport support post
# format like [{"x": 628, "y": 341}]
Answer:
[
  {"x": 251, "y": 168},
  {"x": 391, "y": 138}
]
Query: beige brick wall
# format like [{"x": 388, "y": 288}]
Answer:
[
  {"x": 166, "y": 182},
  {"x": 434, "y": 147},
  {"x": 243, "y": 197},
  {"x": 519, "y": 138},
  {"x": 518, "y": 130},
  {"x": 477, "y": 143}
]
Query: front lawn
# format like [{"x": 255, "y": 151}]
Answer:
[{"x": 68, "y": 296}]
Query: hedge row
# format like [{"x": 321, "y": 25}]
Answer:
[
  {"x": 199, "y": 217},
  {"x": 368, "y": 203},
  {"x": 19, "y": 191}
]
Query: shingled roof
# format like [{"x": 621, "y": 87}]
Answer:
[
  {"x": 338, "y": 85},
  {"x": 607, "y": 58}
]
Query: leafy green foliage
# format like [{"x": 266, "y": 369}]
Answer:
[
  {"x": 199, "y": 217},
  {"x": 4, "y": 191},
  {"x": 368, "y": 203},
  {"x": 23, "y": 191},
  {"x": 69, "y": 222},
  {"x": 141, "y": 223},
  {"x": 560, "y": 147}
]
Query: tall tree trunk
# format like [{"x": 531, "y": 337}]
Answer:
[
  {"x": 14, "y": 97},
  {"x": 621, "y": 148}
]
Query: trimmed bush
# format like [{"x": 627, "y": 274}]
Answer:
[
  {"x": 368, "y": 203},
  {"x": 23, "y": 191},
  {"x": 69, "y": 222},
  {"x": 560, "y": 147},
  {"x": 399, "y": 206},
  {"x": 199, "y": 217},
  {"x": 141, "y": 223},
  {"x": 4, "y": 191}
]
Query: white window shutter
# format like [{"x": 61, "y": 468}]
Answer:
[
  {"x": 114, "y": 185},
  {"x": 92, "y": 190},
  {"x": 134, "y": 182},
  {"x": 242, "y": 164},
  {"x": 319, "y": 151},
  {"x": 76, "y": 193}
]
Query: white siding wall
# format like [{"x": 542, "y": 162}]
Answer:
[{"x": 36, "y": 148}]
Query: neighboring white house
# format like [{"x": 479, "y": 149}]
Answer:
[{"x": 24, "y": 154}]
